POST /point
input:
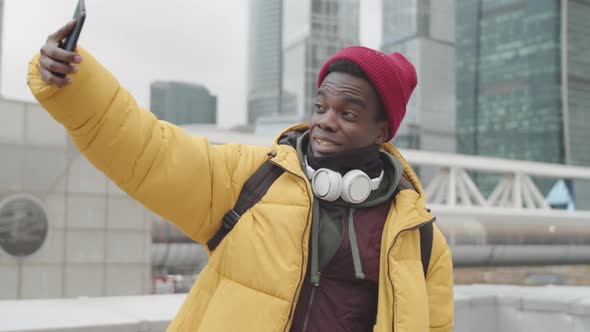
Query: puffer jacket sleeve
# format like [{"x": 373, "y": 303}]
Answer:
[
  {"x": 439, "y": 284},
  {"x": 184, "y": 179}
]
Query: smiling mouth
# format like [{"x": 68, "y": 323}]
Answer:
[{"x": 324, "y": 143}]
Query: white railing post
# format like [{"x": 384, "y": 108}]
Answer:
[
  {"x": 473, "y": 190},
  {"x": 517, "y": 191},
  {"x": 452, "y": 198}
]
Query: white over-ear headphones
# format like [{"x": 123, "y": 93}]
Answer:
[{"x": 354, "y": 187}]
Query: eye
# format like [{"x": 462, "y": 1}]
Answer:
[
  {"x": 349, "y": 116},
  {"x": 319, "y": 108}
]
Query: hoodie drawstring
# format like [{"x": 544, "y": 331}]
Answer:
[
  {"x": 356, "y": 257},
  {"x": 315, "y": 244}
]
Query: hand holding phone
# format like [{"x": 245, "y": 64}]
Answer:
[{"x": 58, "y": 57}]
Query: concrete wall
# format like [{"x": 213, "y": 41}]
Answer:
[
  {"x": 98, "y": 241},
  {"x": 481, "y": 308},
  {"x": 490, "y": 308}
]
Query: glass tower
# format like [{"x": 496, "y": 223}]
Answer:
[
  {"x": 183, "y": 103},
  {"x": 313, "y": 31},
  {"x": 284, "y": 66},
  {"x": 424, "y": 32},
  {"x": 523, "y": 80},
  {"x": 264, "y": 59}
]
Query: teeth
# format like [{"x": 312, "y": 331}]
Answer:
[{"x": 323, "y": 143}]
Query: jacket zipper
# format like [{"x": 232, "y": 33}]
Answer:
[
  {"x": 388, "y": 265},
  {"x": 302, "y": 273},
  {"x": 315, "y": 284},
  {"x": 311, "y": 297}
]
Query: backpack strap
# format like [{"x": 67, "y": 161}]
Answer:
[
  {"x": 426, "y": 246},
  {"x": 254, "y": 188}
]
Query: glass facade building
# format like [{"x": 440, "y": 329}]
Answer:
[
  {"x": 578, "y": 83},
  {"x": 183, "y": 103},
  {"x": 523, "y": 80},
  {"x": 424, "y": 32},
  {"x": 313, "y": 31},
  {"x": 310, "y": 31},
  {"x": 264, "y": 58}
]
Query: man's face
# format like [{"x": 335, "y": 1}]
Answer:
[{"x": 345, "y": 115}]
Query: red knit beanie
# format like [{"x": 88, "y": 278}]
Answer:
[{"x": 393, "y": 76}]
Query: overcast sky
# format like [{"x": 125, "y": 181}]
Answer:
[{"x": 139, "y": 41}]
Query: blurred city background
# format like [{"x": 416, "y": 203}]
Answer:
[{"x": 498, "y": 129}]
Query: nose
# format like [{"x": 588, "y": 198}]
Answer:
[{"x": 328, "y": 120}]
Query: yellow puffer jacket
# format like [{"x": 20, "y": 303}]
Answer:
[{"x": 253, "y": 279}]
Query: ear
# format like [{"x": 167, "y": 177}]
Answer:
[{"x": 382, "y": 132}]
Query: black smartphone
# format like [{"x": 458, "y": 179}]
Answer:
[{"x": 71, "y": 40}]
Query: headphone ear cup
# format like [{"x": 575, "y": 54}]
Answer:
[
  {"x": 356, "y": 187},
  {"x": 326, "y": 184}
]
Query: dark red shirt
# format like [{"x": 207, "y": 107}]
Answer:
[{"x": 343, "y": 303}]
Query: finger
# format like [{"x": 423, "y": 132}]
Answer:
[
  {"x": 53, "y": 51},
  {"x": 56, "y": 66},
  {"x": 49, "y": 77},
  {"x": 63, "y": 31}
]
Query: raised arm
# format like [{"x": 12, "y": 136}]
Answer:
[{"x": 184, "y": 179}]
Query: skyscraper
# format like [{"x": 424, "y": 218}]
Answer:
[
  {"x": 424, "y": 31},
  {"x": 310, "y": 31},
  {"x": 264, "y": 58},
  {"x": 523, "y": 80},
  {"x": 183, "y": 103},
  {"x": 313, "y": 30}
]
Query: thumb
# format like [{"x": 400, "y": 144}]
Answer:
[{"x": 63, "y": 31}]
